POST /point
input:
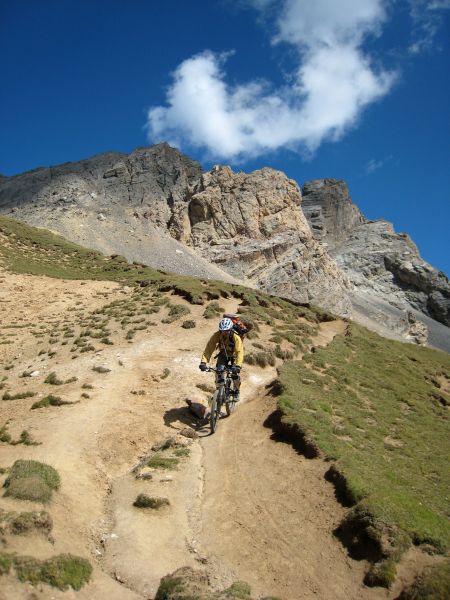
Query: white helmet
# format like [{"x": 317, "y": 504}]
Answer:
[{"x": 225, "y": 325}]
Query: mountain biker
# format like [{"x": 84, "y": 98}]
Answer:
[{"x": 231, "y": 352}]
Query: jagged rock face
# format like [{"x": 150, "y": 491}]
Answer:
[
  {"x": 252, "y": 225},
  {"x": 115, "y": 203},
  {"x": 377, "y": 260},
  {"x": 330, "y": 211},
  {"x": 149, "y": 180}
]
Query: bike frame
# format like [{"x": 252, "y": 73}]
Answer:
[{"x": 221, "y": 396}]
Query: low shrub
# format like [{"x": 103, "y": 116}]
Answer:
[
  {"x": 144, "y": 501},
  {"x": 188, "y": 324},
  {"x": 18, "y": 396},
  {"x": 381, "y": 574},
  {"x": 175, "y": 312},
  {"x": 213, "y": 310},
  {"x": 49, "y": 400},
  {"x": 31, "y": 480},
  {"x": 52, "y": 379},
  {"x": 101, "y": 369},
  {"x": 165, "y": 373}
]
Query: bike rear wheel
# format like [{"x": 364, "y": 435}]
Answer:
[{"x": 215, "y": 411}]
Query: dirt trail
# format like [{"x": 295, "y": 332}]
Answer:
[{"x": 242, "y": 504}]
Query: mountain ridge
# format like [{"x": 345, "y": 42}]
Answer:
[{"x": 158, "y": 206}]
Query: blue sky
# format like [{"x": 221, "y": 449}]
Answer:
[{"x": 352, "y": 89}]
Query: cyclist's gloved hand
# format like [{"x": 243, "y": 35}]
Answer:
[
  {"x": 235, "y": 370},
  {"x": 202, "y": 366}
]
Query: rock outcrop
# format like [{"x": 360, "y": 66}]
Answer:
[
  {"x": 330, "y": 211},
  {"x": 253, "y": 227},
  {"x": 115, "y": 203},
  {"x": 377, "y": 261},
  {"x": 157, "y": 206}
]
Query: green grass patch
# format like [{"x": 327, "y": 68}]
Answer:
[
  {"x": 432, "y": 584},
  {"x": 157, "y": 461},
  {"x": 213, "y": 310},
  {"x": 61, "y": 571},
  {"x": 31, "y": 480},
  {"x": 6, "y": 561},
  {"x": 176, "y": 311},
  {"x": 374, "y": 407}
]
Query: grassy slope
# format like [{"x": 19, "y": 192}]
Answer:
[{"x": 378, "y": 409}]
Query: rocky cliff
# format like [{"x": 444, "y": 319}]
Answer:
[
  {"x": 157, "y": 207},
  {"x": 252, "y": 225},
  {"x": 392, "y": 288},
  {"x": 115, "y": 203}
]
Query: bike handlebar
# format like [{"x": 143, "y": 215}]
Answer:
[{"x": 220, "y": 370}]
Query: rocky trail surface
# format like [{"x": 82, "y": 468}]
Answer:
[{"x": 242, "y": 504}]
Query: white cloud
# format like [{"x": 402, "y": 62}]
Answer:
[
  {"x": 427, "y": 18},
  {"x": 333, "y": 82}
]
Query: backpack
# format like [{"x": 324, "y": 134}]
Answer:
[{"x": 239, "y": 326}]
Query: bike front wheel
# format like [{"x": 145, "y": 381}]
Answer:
[
  {"x": 230, "y": 404},
  {"x": 215, "y": 411}
]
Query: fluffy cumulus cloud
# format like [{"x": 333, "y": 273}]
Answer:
[{"x": 334, "y": 80}]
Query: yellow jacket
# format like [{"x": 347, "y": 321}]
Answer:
[{"x": 230, "y": 345}]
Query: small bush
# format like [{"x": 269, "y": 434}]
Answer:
[
  {"x": 381, "y": 574},
  {"x": 101, "y": 369},
  {"x": 188, "y": 324},
  {"x": 175, "y": 312},
  {"x": 144, "y": 501},
  {"x": 165, "y": 373},
  {"x": 31, "y": 480},
  {"x": 52, "y": 379},
  {"x": 87, "y": 386},
  {"x": 49, "y": 400},
  {"x": 19, "y": 396},
  {"x": 26, "y": 522},
  {"x": 213, "y": 310}
]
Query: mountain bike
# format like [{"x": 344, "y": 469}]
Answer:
[{"x": 224, "y": 394}]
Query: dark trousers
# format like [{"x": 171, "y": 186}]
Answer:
[{"x": 226, "y": 361}]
